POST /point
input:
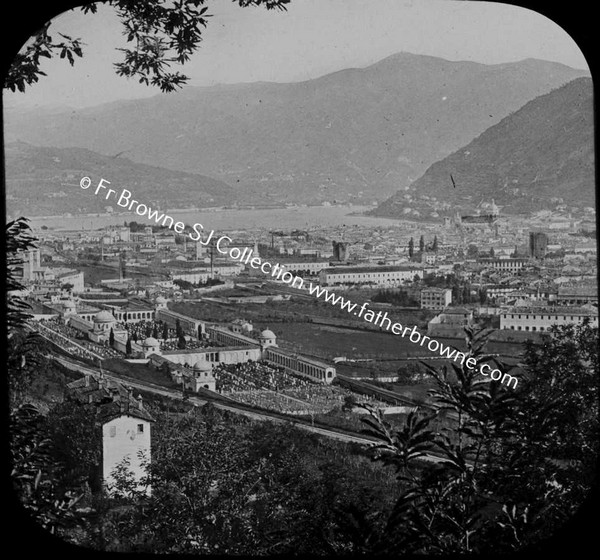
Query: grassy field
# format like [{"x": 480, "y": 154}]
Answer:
[
  {"x": 328, "y": 341},
  {"x": 292, "y": 311},
  {"x": 137, "y": 371},
  {"x": 93, "y": 274}
]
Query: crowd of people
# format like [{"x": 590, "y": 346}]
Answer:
[
  {"x": 141, "y": 330},
  {"x": 60, "y": 334},
  {"x": 58, "y": 326},
  {"x": 324, "y": 398},
  {"x": 190, "y": 344},
  {"x": 103, "y": 349},
  {"x": 267, "y": 386},
  {"x": 272, "y": 401},
  {"x": 254, "y": 383},
  {"x": 254, "y": 375},
  {"x": 144, "y": 329}
]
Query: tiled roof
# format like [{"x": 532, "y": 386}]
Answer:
[{"x": 111, "y": 398}]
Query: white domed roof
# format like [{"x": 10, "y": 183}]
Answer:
[
  {"x": 202, "y": 366},
  {"x": 104, "y": 317},
  {"x": 161, "y": 299},
  {"x": 267, "y": 333},
  {"x": 150, "y": 341},
  {"x": 69, "y": 304}
]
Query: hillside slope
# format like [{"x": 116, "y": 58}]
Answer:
[
  {"x": 354, "y": 133},
  {"x": 45, "y": 181},
  {"x": 541, "y": 153}
]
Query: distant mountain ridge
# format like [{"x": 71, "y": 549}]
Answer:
[
  {"x": 536, "y": 155},
  {"x": 350, "y": 135},
  {"x": 45, "y": 181}
]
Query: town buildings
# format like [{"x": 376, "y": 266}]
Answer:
[
  {"x": 124, "y": 426},
  {"x": 542, "y": 318},
  {"x": 375, "y": 275},
  {"x": 436, "y": 298}
]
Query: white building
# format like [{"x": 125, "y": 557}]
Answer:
[
  {"x": 191, "y": 326},
  {"x": 124, "y": 424},
  {"x": 73, "y": 277},
  {"x": 125, "y": 437},
  {"x": 542, "y": 318},
  {"x": 304, "y": 267},
  {"x": 378, "y": 275},
  {"x": 202, "y": 377},
  {"x": 504, "y": 265},
  {"x": 436, "y": 298},
  {"x": 315, "y": 370}
]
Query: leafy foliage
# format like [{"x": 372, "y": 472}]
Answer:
[
  {"x": 395, "y": 297},
  {"x": 37, "y": 475},
  {"x": 162, "y": 34},
  {"x": 76, "y": 440},
  {"x": 223, "y": 485},
  {"x": 18, "y": 240},
  {"x": 510, "y": 466},
  {"x": 25, "y": 69},
  {"x": 25, "y": 349}
]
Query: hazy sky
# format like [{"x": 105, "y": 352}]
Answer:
[{"x": 314, "y": 37}]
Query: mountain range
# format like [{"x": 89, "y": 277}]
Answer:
[
  {"x": 45, "y": 181},
  {"x": 356, "y": 134},
  {"x": 538, "y": 157}
]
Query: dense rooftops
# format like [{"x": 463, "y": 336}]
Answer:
[{"x": 111, "y": 398}]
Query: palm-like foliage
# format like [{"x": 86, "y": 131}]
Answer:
[{"x": 499, "y": 481}]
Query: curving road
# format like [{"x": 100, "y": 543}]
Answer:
[{"x": 255, "y": 415}]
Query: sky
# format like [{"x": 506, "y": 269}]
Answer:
[{"x": 310, "y": 39}]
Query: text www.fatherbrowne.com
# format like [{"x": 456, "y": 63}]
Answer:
[
  {"x": 382, "y": 320},
  {"x": 278, "y": 273}
]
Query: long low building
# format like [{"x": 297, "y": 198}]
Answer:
[
  {"x": 305, "y": 268},
  {"x": 225, "y": 336},
  {"x": 189, "y": 325},
  {"x": 213, "y": 355},
  {"x": 378, "y": 275},
  {"x": 202, "y": 274},
  {"x": 301, "y": 365},
  {"x": 577, "y": 295},
  {"x": 504, "y": 265},
  {"x": 542, "y": 318}
]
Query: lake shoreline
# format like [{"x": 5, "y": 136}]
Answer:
[{"x": 295, "y": 217}]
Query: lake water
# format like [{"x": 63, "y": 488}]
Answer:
[{"x": 230, "y": 220}]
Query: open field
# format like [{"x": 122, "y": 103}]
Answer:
[
  {"x": 303, "y": 310},
  {"x": 137, "y": 371},
  {"x": 94, "y": 273}
]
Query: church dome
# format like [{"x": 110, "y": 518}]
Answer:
[
  {"x": 150, "y": 342},
  {"x": 202, "y": 366},
  {"x": 104, "y": 317},
  {"x": 161, "y": 299},
  {"x": 268, "y": 334}
]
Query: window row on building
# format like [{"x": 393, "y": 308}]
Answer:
[
  {"x": 543, "y": 320},
  {"x": 316, "y": 371}
]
